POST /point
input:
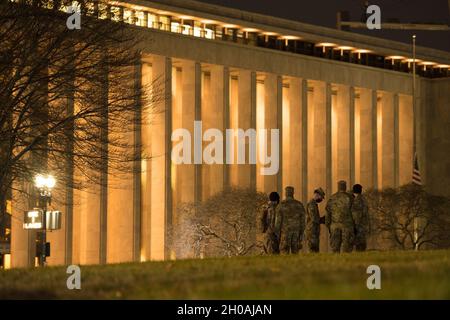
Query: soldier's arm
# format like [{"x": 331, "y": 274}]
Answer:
[
  {"x": 264, "y": 220},
  {"x": 328, "y": 214},
  {"x": 315, "y": 214},
  {"x": 302, "y": 220},
  {"x": 278, "y": 220}
]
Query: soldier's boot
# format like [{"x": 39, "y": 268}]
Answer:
[
  {"x": 348, "y": 238},
  {"x": 336, "y": 240}
]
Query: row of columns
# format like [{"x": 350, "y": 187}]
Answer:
[{"x": 328, "y": 132}]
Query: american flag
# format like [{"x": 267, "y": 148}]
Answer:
[{"x": 416, "y": 172}]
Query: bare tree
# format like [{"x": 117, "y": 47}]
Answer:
[
  {"x": 223, "y": 225},
  {"x": 69, "y": 99},
  {"x": 409, "y": 218}
]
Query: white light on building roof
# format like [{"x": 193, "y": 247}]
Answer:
[
  {"x": 250, "y": 29},
  {"x": 290, "y": 37},
  {"x": 427, "y": 63},
  {"x": 227, "y": 25},
  {"x": 326, "y": 44},
  {"x": 412, "y": 60},
  {"x": 395, "y": 57},
  {"x": 344, "y": 48}
]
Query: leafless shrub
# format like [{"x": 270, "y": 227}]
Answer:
[{"x": 223, "y": 225}]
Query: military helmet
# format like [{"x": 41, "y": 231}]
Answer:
[
  {"x": 274, "y": 196},
  {"x": 342, "y": 185},
  {"x": 289, "y": 190},
  {"x": 320, "y": 191}
]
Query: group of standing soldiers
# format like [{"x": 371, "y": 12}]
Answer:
[{"x": 285, "y": 225}]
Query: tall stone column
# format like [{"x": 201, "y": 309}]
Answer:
[
  {"x": 293, "y": 136},
  {"x": 156, "y": 190},
  {"x": 90, "y": 204},
  {"x": 160, "y": 163},
  {"x": 319, "y": 145},
  {"x": 186, "y": 109},
  {"x": 243, "y": 116},
  {"x": 123, "y": 222},
  {"x": 365, "y": 133},
  {"x": 273, "y": 120},
  {"x": 341, "y": 144},
  {"x": 214, "y": 92},
  {"x": 386, "y": 142}
]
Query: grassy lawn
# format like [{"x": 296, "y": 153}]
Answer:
[{"x": 404, "y": 275}]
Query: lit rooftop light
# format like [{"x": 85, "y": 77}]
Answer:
[
  {"x": 269, "y": 33},
  {"x": 362, "y": 51},
  {"x": 427, "y": 63},
  {"x": 412, "y": 60},
  {"x": 442, "y": 66},
  {"x": 186, "y": 17},
  {"x": 290, "y": 37},
  {"x": 395, "y": 58},
  {"x": 230, "y": 26},
  {"x": 344, "y": 48},
  {"x": 326, "y": 44},
  {"x": 207, "y": 21},
  {"x": 250, "y": 29}
]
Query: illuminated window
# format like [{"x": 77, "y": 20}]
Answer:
[
  {"x": 209, "y": 34},
  {"x": 140, "y": 18},
  {"x": 90, "y": 9},
  {"x": 102, "y": 11},
  {"x": 128, "y": 16},
  {"x": 175, "y": 27},
  {"x": 153, "y": 21},
  {"x": 164, "y": 23},
  {"x": 187, "y": 29},
  {"x": 197, "y": 32},
  {"x": 116, "y": 13}
]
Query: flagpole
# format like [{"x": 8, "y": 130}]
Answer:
[
  {"x": 414, "y": 94},
  {"x": 415, "y": 222}
]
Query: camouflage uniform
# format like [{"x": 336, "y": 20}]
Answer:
[
  {"x": 270, "y": 239},
  {"x": 312, "y": 232},
  {"x": 290, "y": 223},
  {"x": 361, "y": 218},
  {"x": 339, "y": 221}
]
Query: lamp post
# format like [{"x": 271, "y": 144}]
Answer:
[{"x": 45, "y": 185}]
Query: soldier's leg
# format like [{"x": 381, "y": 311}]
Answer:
[
  {"x": 360, "y": 241},
  {"x": 284, "y": 243},
  {"x": 348, "y": 238},
  {"x": 295, "y": 243},
  {"x": 335, "y": 240},
  {"x": 315, "y": 244},
  {"x": 274, "y": 249}
]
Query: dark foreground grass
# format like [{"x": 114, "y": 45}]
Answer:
[{"x": 404, "y": 275}]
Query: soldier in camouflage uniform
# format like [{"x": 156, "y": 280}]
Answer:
[
  {"x": 312, "y": 232},
  {"x": 339, "y": 220},
  {"x": 290, "y": 223},
  {"x": 270, "y": 238},
  {"x": 360, "y": 214}
]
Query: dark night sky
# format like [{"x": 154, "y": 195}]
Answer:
[{"x": 323, "y": 12}]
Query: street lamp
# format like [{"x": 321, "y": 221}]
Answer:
[{"x": 44, "y": 184}]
